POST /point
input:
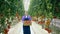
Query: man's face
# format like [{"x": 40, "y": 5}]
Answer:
[{"x": 26, "y": 13}]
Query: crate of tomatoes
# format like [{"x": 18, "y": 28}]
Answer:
[{"x": 27, "y": 23}]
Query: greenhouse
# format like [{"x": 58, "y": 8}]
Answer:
[{"x": 29, "y": 16}]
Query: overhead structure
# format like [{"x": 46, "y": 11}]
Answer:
[{"x": 26, "y": 4}]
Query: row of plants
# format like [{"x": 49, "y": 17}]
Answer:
[
  {"x": 48, "y": 8},
  {"x": 45, "y": 9},
  {"x": 8, "y": 10}
]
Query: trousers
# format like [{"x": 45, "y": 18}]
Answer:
[{"x": 26, "y": 30}]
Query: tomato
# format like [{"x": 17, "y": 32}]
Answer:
[
  {"x": 6, "y": 31},
  {"x": 49, "y": 31}
]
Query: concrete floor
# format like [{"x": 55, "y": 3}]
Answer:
[{"x": 35, "y": 29}]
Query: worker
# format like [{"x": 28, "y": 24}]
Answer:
[{"x": 26, "y": 24}]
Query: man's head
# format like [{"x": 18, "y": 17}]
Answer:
[{"x": 26, "y": 12}]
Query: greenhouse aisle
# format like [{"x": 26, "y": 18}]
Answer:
[{"x": 34, "y": 28}]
